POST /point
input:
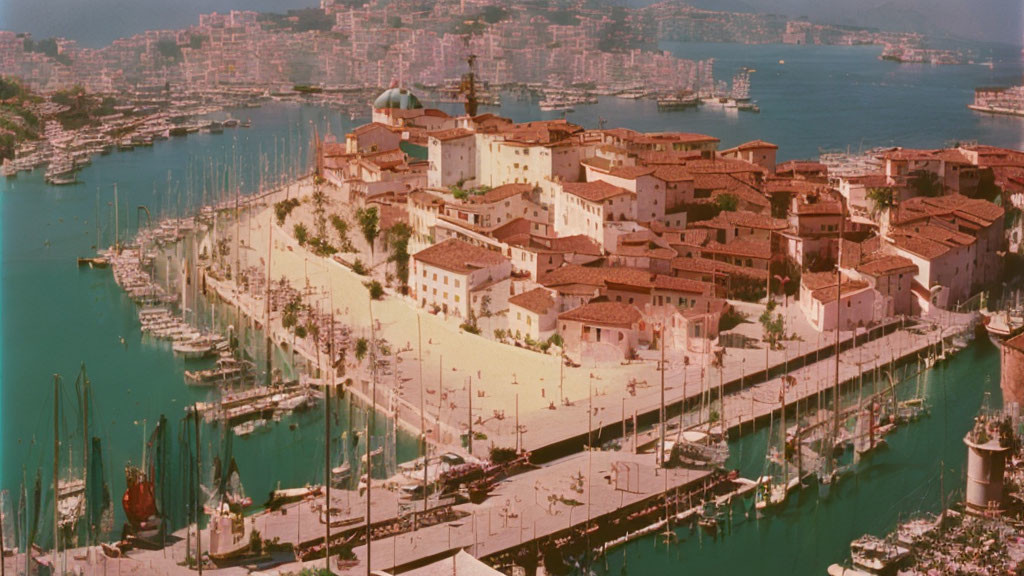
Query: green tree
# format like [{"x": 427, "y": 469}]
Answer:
[
  {"x": 319, "y": 213},
  {"x": 882, "y": 198},
  {"x": 772, "y": 325},
  {"x": 376, "y": 290},
  {"x": 340, "y": 226},
  {"x": 301, "y": 234},
  {"x": 397, "y": 239},
  {"x": 926, "y": 183},
  {"x": 727, "y": 202},
  {"x": 362, "y": 347},
  {"x": 369, "y": 225}
]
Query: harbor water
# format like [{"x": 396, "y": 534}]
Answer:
[{"x": 56, "y": 316}]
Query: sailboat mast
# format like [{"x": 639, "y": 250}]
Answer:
[
  {"x": 56, "y": 466},
  {"x": 327, "y": 441},
  {"x": 423, "y": 413},
  {"x": 839, "y": 293},
  {"x": 369, "y": 456},
  {"x": 199, "y": 510},
  {"x": 117, "y": 227},
  {"x": 85, "y": 446}
]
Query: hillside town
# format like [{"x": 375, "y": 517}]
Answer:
[
  {"x": 598, "y": 237},
  {"x": 342, "y": 46}
]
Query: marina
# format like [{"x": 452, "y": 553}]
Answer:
[{"x": 274, "y": 414}]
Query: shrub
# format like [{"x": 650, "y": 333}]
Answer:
[
  {"x": 283, "y": 208},
  {"x": 301, "y": 234},
  {"x": 376, "y": 290},
  {"x": 359, "y": 268}
]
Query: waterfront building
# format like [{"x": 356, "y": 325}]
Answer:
[
  {"x": 818, "y": 301},
  {"x": 953, "y": 240},
  {"x": 454, "y": 276},
  {"x": 756, "y": 152},
  {"x": 1012, "y": 370},
  {"x": 603, "y": 331},
  {"x": 533, "y": 314}
]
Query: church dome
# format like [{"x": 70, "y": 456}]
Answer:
[{"x": 397, "y": 98}]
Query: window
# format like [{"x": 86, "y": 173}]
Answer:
[
  {"x": 424, "y": 272},
  {"x": 435, "y": 277},
  {"x": 519, "y": 316},
  {"x": 445, "y": 295},
  {"x": 456, "y": 297},
  {"x": 434, "y": 291},
  {"x": 457, "y": 283},
  {"x": 446, "y": 280}
]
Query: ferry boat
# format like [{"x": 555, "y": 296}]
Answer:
[
  {"x": 678, "y": 101},
  {"x": 1002, "y": 325}
]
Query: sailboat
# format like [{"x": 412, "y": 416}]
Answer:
[
  {"x": 145, "y": 526},
  {"x": 775, "y": 483},
  {"x": 229, "y": 537}
]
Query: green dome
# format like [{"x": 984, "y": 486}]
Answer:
[{"x": 397, "y": 98}]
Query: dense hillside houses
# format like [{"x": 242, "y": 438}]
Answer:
[{"x": 610, "y": 241}]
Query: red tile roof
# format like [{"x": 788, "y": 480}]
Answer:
[
  {"x": 537, "y": 300},
  {"x": 604, "y": 313},
  {"x": 452, "y": 134},
  {"x": 743, "y": 248},
  {"x": 673, "y": 173},
  {"x": 459, "y": 256},
  {"x": 597, "y": 191},
  {"x": 884, "y": 265}
]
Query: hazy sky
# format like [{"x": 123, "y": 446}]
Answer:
[{"x": 97, "y": 22}]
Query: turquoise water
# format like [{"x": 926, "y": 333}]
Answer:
[
  {"x": 809, "y": 533},
  {"x": 56, "y": 316},
  {"x": 823, "y": 97}
]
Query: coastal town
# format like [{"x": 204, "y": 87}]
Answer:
[
  {"x": 447, "y": 312},
  {"x": 562, "y": 270}
]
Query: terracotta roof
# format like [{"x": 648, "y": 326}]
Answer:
[
  {"x": 822, "y": 207},
  {"x": 577, "y": 244},
  {"x": 597, "y": 191},
  {"x": 459, "y": 256},
  {"x": 673, "y": 173},
  {"x": 722, "y": 166},
  {"x": 802, "y": 167},
  {"x": 604, "y": 313},
  {"x": 886, "y": 264},
  {"x": 658, "y": 137},
  {"x": 365, "y": 128},
  {"x": 537, "y": 300},
  {"x": 451, "y": 134},
  {"x": 742, "y": 218},
  {"x": 675, "y": 284},
  {"x": 500, "y": 193},
  {"x": 743, "y": 248},
  {"x": 826, "y": 295},
  {"x": 716, "y": 267},
  {"x": 644, "y": 251},
  {"x": 921, "y": 246},
  {"x": 755, "y": 145},
  {"x": 776, "y": 185},
  {"x": 598, "y": 276}
]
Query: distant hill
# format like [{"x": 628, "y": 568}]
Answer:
[{"x": 981, "y": 20}]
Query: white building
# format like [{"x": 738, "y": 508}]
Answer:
[{"x": 454, "y": 275}]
